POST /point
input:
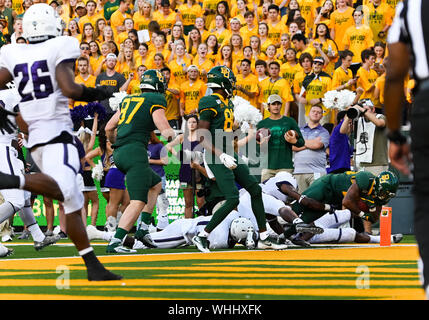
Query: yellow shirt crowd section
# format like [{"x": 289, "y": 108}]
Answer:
[{"x": 263, "y": 36}]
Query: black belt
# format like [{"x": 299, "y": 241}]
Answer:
[{"x": 64, "y": 137}]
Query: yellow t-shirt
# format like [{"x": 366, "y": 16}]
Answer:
[
  {"x": 288, "y": 72},
  {"x": 317, "y": 89},
  {"x": 327, "y": 46},
  {"x": 117, "y": 19},
  {"x": 246, "y": 34},
  {"x": 366, "y": 80},
  {"x": 206, "y": 65},
  {"x": 87, "y": 19},
  {"x": 134, "y": 87},
  {"x": 340, "y": 22},
  {"x": 221, "y": 36},
  {"x": 280, "y": 87},
  {"x": 95, "y": 63},
  {"x": 190, "y": 94},
  {"x": 89, "y": 82},
  {"x": 341, "y": 77},
  {"x": 379, "y": 18},
  {"x": 178, "y": 72},
  {"x": 297, "y": 81},
  {"x": 379, "y": 84},
  {"x": 275, "y": 32},
  {"x": 307, "y": 8},
  {"x": 172, "y": 112},
  {"x": 358, "y": 39},
  {"x": 124, "y": 69},
  {"x": 250, "y": 83},
  {"x": 140, "y": 22},
  {"x": 165, "y": 22},
  {"x": 188, "y": 15}
]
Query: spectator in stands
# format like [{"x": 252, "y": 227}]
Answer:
[
  {"x": 310, "y": 159},
  {"x": 172, "y": 93},
  {"x": 279, "y": 152},
  {"x": 113, "y": 80},
  {"x": 247, "y": 83},
  {"x": 191, "y": 91},
  {"x": 275, "y": 85}
]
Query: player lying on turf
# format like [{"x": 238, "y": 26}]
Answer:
[
  {"x": 347, "y": 190},
  {"x": 181, "y": 231},
  {"x": 332, "y": 233}
]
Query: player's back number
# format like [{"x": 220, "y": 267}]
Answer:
[{"x": 38, "y": 75}]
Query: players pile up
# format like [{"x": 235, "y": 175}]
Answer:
[{"x": 267, "y": 184}]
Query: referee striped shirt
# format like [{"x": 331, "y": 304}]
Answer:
[{"x": 411, "y": 26}]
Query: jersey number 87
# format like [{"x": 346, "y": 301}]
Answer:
[{"x": 137, "y": 102}]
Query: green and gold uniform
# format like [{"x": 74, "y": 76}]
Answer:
[
  {"x": 130, "y": 149},
  {"x": 332, "y": 188},
  {"x": 220, "y": 113}
]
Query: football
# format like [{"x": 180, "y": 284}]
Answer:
[
  {"x": 262, "y": 133},
  {"x": 292, "y": 132},
  {"x": 363, "y": 206}
]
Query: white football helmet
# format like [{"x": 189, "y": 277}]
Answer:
[
  {"x": 39, "y": 23},
  {"x": 240, "y": 228}
]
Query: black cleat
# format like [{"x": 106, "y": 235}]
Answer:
[{"x": 310, "y": 228}]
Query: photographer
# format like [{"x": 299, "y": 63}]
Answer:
[{"x": 371, "y": 142}]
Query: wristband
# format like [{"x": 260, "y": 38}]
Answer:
[
  {"x": 361, "y": 214},
  {"x": 396, "y": 137},
  {"x": 301, "y": 198}
]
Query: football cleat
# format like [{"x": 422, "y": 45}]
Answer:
[
  {"x": 115, "y": 246},
  {"x": 270, "y": 243},
  {"x": 93, "y": 233},
  {"x": 201, "y": 243},
  {"x": 304, "y": 227},
  {"x": 301, "y": 242},
  {"x": 397, "y": 237},
  {"x": 110, "y": 224},
  {"x": 46, "y": 242},
  {"x": 25, "y": 235},
  {"x": 144, "y": 236},
  {"x": 5, "y": 252}
]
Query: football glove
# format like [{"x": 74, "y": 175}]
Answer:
[
  {"x": 368, "y": 217},
  {"x": 228, "y": 161},
  {"x": 95, "y": 94},
  {"x": 5, "y": 123}
]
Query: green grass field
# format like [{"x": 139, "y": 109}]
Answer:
[{"x": 323, "y": 272}]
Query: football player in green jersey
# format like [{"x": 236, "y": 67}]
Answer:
[
  {"x": 347, "y": 190},
  {"x": 217, "y": 120},
  {"x": 138, "y": 115}
]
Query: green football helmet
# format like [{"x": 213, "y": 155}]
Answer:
[
  {"x": 153, "y": 80},
  {"x": 386, "y": 185},
  {"x": 221, "y": 77}
]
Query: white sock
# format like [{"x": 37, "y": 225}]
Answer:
[
  {"x": 203, "y": 233},
  {"x": 297, "y": 220},
  {"x": 374, "y": 239},
  {"x": 263, "y": 235},
  {"x": 107, "y": 236},
  {"x": 36, "y": 233}
]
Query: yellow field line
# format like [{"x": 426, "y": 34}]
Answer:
[
  {"x": 206, "y": 282},
  {"x": 285, "y": 275},
  {"x": 375, "y": 293}
]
